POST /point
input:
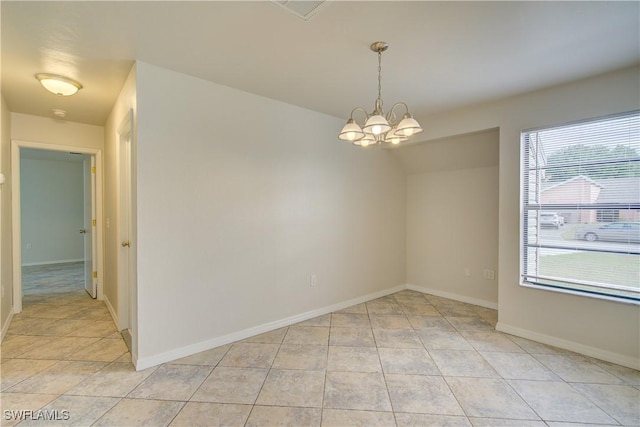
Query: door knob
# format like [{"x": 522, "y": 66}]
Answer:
[
  {"x": 83, "y": 231},
  {"x": 126, "y": 244}
]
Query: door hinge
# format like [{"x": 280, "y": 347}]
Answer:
[
  {"x": 93, "y": 169},
  {"x": 95, "y": 274},
  {"x": 93, "y": 222}
]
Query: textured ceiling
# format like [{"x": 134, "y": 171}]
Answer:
[{"x": 442, "y": 55}]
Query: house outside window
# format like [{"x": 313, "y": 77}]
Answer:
[{"x": 580, "y": 230}]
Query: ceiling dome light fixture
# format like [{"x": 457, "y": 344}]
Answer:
[
  {"x": 378, "y": 127},
  {"x": 58, "y": 85}
]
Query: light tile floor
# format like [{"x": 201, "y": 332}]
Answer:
[
  {"x": 407, "y": 359},
  {"x": 51, "y": 279}
]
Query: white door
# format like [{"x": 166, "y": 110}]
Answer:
[{"x": 89, "y": 230}]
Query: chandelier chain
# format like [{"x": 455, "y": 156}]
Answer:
[{"x": 380, "y": 80}]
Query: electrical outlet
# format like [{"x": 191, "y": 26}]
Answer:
[
  {"x": 28, "y": 246},
  {"x": 313, "y": 280},
  {"x": 489, "y": 274},
  {"x": 467, "y": 271}
]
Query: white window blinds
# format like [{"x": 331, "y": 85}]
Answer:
[{"x": 581, "y": 207}]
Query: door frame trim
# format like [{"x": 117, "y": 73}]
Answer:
[
  {"x": 125, "y": 317},
  {"x": 127, "y": 296},
  {"x": 90, "y": 182},
  {"x": 16, "y": 226}
]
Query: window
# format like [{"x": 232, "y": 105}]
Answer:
[{"x": 581, "y": 208}]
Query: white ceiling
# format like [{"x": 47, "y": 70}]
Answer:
[{"x": 442, "y": 55}]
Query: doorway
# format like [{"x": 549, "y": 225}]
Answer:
[
  {"x": 87, "y": 237},
  {"x": 57, "y": 211}
]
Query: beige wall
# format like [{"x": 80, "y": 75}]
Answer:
[
  {"x": 240, "y": 200},
  {"x": 6, "y": 267},
  {"x": 25, "y": 127},
  {"x": 452, "y": 216},
  {"x": 600, "y": 328},
  {"x": 125, "y": 102}
]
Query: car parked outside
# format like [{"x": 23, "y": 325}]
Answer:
[
  {"x": 613, "y": 232},
  {"x": 551, "y": 219}
]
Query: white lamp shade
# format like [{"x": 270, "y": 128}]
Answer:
[
  {"x": 393, "y": 138},
  {"x": 59, "y": 85},
  {"x": 408, "y": 126},
  {"x": 351, "y": 132},
  {"x": 376, "y": 125},
  {"x": 366, "y": 141}
]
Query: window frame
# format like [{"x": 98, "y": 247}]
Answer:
[{"x": 566, "y": 287}]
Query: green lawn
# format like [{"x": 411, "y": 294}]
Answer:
[{"x": 594, "y": 267}]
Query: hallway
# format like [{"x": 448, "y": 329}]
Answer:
[
  {"x": 60, "y": 320},
  {"x": 61, "y": 338}
]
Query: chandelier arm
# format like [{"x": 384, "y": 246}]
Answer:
[
  {"x": 391, "y": 115},
  {"x": 406, "y": 108},
  {"x": 366, "y": 115},
  {"x": 392, "y": 118}
]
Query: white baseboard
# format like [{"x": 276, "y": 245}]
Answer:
[
  {"x": 598, "y": 353},
  {"x": 5, "y": 328},
  {"x": 455, "y": 297},
  {"x": 113, "y": 313},
  {"x": 149, "y": 361},
  {"x": 64, "y": 261}
]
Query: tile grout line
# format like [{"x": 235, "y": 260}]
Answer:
[
  {"x": 384, "y": 376},
  {"x": 255, "y": 401},
  {"x": 506, "y": 381},
  {"x": 466, "y": 416},
  {"x": 613, "y": 417},
  {"x": 326, "y": 370}
]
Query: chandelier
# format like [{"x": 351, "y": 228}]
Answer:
[{"x": 380, "y": 128}]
